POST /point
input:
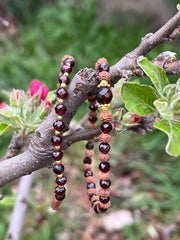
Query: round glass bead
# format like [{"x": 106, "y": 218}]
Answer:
[
  {"x": 88, "y": 173},
  {"x": 103, "y": 67},
  {"x": 57, "y": 155},
  {"x": 104, "y": 167},
  {"x": 91, "y": 99},
  {"x": 106, "y": 127},
  {"x": 105, "y": 183},
  {"x": 62, "y": 93},
  {"x": 70, "y": 61},
  {"x": 87, "y": 160},
  {"x": 104, "y": 199},
  {"x": 92, "y": 119},
  {"x": 64, "y": 79},
  {"x": 66, "y": 68},
  {"x": 57, "y": 140},
  {"x": 60, "y": 109},
  {"x": 93, "y": 107},
  {"x": 60, "y": 191},
  {"x": 104, "y": 148},
  {"x": 91, "y": 185},
  {"x": 59, "y": 197},
  {"x": 89, "y": 145},
  {"x": 104, "y": 95},
  {"x": 58, "y": 168},
  {"x": 61, "y": 181},
  {"x": 58, "y": 125}
]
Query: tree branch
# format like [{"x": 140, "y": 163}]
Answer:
[{"x": 83, "y": 85}]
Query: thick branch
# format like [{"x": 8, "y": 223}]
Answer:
[{"x": 83, "y": 85}]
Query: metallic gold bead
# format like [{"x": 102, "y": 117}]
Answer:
[
  {"x": 59, "y": 117},
  {"x": 103, "y": 83},
  {"x": 57, "y": 147},
  {"x": 63, "y": 85},
  {"x": 60, "y": 176},
  {"x": 105, "y": 107},
  {"x": 60, "y": 101},
  {"x": 57, "y": 133},
  {"x": 58, "y": 162},
  {"x": 61, "y": 186},
  {"x": 66, "y": 74},
  {"x": 68, "y": 64}
]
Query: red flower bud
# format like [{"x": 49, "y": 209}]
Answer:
[
  {"x": 37, "y": 87},
  {"x": 3, "y": 105}
]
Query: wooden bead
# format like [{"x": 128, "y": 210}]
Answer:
[
  {"x": 104, "y": 75},
  {"x": 86, "y": 167},
  {"x": 94, "y": 198},
  {"x": 103, "y": 176},
  {"x": 104, "y": 137},
  {"x": 105, "y": 116},
  {"x": 90, "y": 179},
  {"x": 92, "y": 125},
  {"x": 89, "y": 153},
  {"x": 105, "y": 192},
  {"x": 91, "y": 191},
  {"x": 93, "y": 113},
  {"x": 55, "y": 205},
  {"x": 105, "y": 205},
  {"x": 104, "y": 157}
]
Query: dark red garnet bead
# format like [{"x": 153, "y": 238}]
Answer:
[
  {"x": 92, "y": 119},
  {"x": 104, "y": 148},
  {"x": 57, "y": 155},
  {"x": 60, "y": 109},
  {"x": 103, "y": 67},
  {"x": 70, "y": 61},
  {"x": 60, "y": 191},
  {"x": 104, "y": 95},
  {"x": 62, "y": 93},
  {"x": 59, "y": 197},
  {"x": 93, "y": 107},
  {"x": 87, "y": 160},
  {"x": 104, "y": 167},
  {"x": 64, "y": 79},
  {"x": 66, "y": 69},
  {"x": 57, "y": 140},
  {"x": 88, "y": 173},
  {"x": 105, "y": 183},
  {"x": 61, "y": 181},
  {"x": 58, "y": 125},
  {"x": 104, "y": 199},
  {"x": 106, "y": 127},
  {"x": 89, "y": 145},
  {"x": 92, "y": 99},
  {"x": 58, "y": 168},
  {"x": 91, "y": 185},
  {"x": 96, "y": 208}
]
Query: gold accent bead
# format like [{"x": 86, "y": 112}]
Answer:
[
  {"x": 63, "y": 85},
  {"x": 68, "y": 64},
  {"x": 57, "y": 147},
  {"x": 58, "y": 162},
  {"x": 59, "y": 117},
  {"x": 60, "y": 176},
  {"x": 66, "y": 74},
  {"x": 105, "y": 107},
  {"x": 104, "y": 83},
  {"x": 60, "y": 101},
  {"x": 57, "y": 133},
  {"x": 61, "y": 186}
]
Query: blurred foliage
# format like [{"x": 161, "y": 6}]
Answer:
[{"x": 44, "y": 37}]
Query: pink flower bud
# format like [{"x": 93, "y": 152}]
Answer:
[
  {"x": 3, "y": 105},
  {"x": 16, "y": 98},
  {"x": 37, "y": 87},
  {"x": 45, "y": 108}
]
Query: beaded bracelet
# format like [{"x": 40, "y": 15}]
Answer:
[
  {"x": 67, "y": 63},
  {"x": 104, "y": 95}
]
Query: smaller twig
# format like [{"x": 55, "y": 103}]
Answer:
[
  {"x": 19, "y": 210},
  {"x": 15, "y": 146}
]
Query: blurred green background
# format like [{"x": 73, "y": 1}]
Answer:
[{"x": 145, "y": 180}]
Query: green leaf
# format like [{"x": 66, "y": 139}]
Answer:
[
  {"x": 138, "y": 98},
  {"x": 6, "y": 112},
  {"x": 164, "y": 110},
  {"x": 156, "y": 74},
  {"x": 172, "y": 129},
  {"x": 51, "y": 96},
  {"x": 4, "y": 127}
]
